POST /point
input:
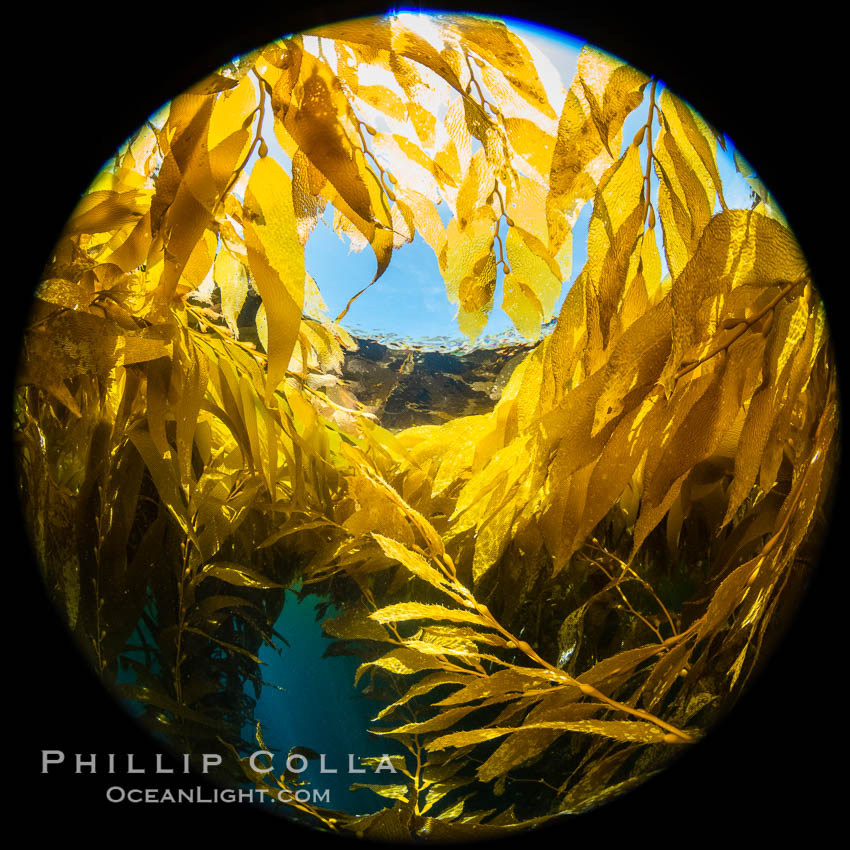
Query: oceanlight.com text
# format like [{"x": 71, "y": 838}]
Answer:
[{"x": 117, "y": 794}]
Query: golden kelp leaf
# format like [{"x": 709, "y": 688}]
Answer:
[
  {"x": 455, "y": 155},
  {"x": 515, "y": 750},
  {"x": 665, "y": 672},
  {"x": 689, "y": 125},
  {"x": 636, "y": 300},
  {"x": 623, "y": 664},
  {"x": 621, "y": 730},
  {"x": 232, "y": 279},
  {"x": 675, "y": 223},
  {"x": 782, "y": 434},
  {"x": 685, "y": 200},
  {"x": 354, "y": 624},
  {"x": 305, "y": 201},
  {"x": 496, "y": 44},
  {"x": 433, "y": 724},
  {"x": 194, "y": 375},
  {"x": 814, "y": 489},
  {"x": 237, "y": 574},
  {"x": 647, "y": 281},
  {"x": 140, "y": 349},
  {"x": 393, "y": 792},
  {"x": 448, "y": 168},
  {"x": 525, "y": 203},
  {"x": 231, "y": 110},
  {"x": 211, "y": 611},
  {"x": 402, "y": 662},
  {"x": 158, "y": 377},
  {"x": 466, "y": 248},
  {"x": 616, "y": 465},
  {"x": 394, "y": 37},
  {"x": 325, "y": 352},
  {"x": 533, "y": 285},
  {"x": 212, "y": 84},
  {"x": 612, "y": 89},
  {"x": 64, "y": 293},
  {"x": 190, "y": 183},
  {"x": 462, "y": 739},
  {"x": 108, "y": 210},
  {"x": 635, "y": 363},
  {"x": 412, "y": 168},
  {"x": 232, "y": 647},
  {"x": 790, "y": 329},
  {"x": 562, "y": 350},
  {"x": 384, "y": 100},
  {"x": 69, "y": 345},
  {"x": 135, "y": 249},
  {"x": 226, "y": 383},
  {"x": 347, "y": 64},
  {"x": 459, "y": 635},
  {"x": 412, "y": 560},
  {"x": 315, "y": 122},
  {"x": 276, "y": 259},
  {"x": 494, "y": 533},
  {"x": 738, "y": 248},
  {"x": 428, "y": 223},
  {"x": 387, "y": 825},
  {"x": 604, "y": 92},
  {"x": 417, "y": 611},
  {"x": 728, "y": 596},
  {"x": 502, "y": 683},
  {"x": 320, "y": 123},
  {"x": 533, "y": 144},
  {"x": 422, "y": 99},
  {"x": 223, "y": 163},
  {"x": 423, "y": 686},
  {"x": 509, "y": 104},
  {"x": 200, "y": 260},
  {"x": 376, "y": 508},
  {"x": 521, "y": 303},
  {"x": 477, "y": 185},
  {"x": 498, "y": 157},
  {"x": 699, "y": 419},
  {"x": 687, "y": 174},
  {"x": 261, "y": 432},
  {"x": 564, "y": 507},
  {"x": 402, "y": 223},
  {"x": 438, "y": 792},
  {"x": 499, "y": 477},
  {"x": 568, "y": 449},
  {"x": 579, "y": 800},
  {"x": 442, "y": 645},
  {"x": 165, "y": 475},
  {"x": 344, "y": 226},
  {"x": 475, "y": 296},
  {"x": 454, "y": 447},
  {"x": 615, "y": 225}
]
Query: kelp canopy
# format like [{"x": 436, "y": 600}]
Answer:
[{"x": 559, "y": 594}]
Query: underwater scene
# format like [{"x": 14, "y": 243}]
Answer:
[{"x": 426, "y": 425}]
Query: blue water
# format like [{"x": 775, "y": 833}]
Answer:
[{"x": 319, "y": 708}]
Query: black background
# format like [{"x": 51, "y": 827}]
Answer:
[{"x": 81, "y": 78}]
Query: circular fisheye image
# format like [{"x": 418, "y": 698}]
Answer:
[{"x": 425, "y": 425}]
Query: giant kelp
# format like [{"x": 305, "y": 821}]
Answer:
[{"x": 559, "y": 593}]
